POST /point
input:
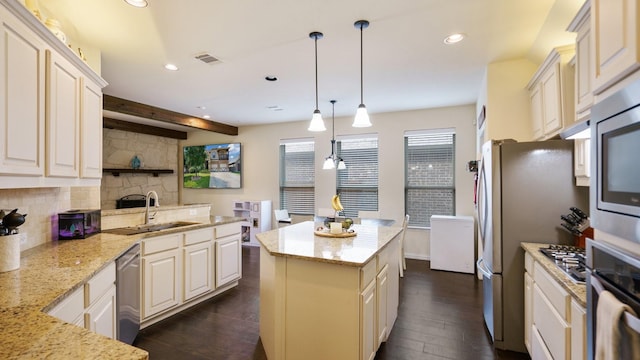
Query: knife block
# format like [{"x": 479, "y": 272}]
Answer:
[{"x": 582, "y": 239}]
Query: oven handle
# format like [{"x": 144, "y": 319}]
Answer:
[{"x": 632, "y": 321}]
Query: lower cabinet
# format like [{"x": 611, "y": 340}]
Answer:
[
  {"x": 93, "y": 305},
  {"x": 368, "y": 335},
  {"x": 555, "y": 323},
  {"x": 182, "y": 269}
]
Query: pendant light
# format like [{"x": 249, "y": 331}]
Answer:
[
  {"x": 317, "y": 124},
  {"x": 333, "y": 160},
  {"x": 362, "y": 117}
]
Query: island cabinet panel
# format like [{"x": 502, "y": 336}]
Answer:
[
  {"x": 320, "y": 308},
  {"x": 22, "y": 59}
]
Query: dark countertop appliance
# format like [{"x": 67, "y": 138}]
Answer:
[{"x": 78, "y": 224}]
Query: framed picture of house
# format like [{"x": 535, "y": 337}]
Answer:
[{"x": 212, "y": 166}]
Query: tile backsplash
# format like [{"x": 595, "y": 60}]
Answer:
[{"x": 41, "y": 205}]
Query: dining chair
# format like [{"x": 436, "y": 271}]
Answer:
[
  {"x": 364, "y": 214},
  {"x": 402, "y": 263},
  {"x": 282, "y": 217}
]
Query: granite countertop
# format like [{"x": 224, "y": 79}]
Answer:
[
  {"x": 577, "y": 291},
  {"x": 299, "y": 241},
  {"x": 46, "y": 275}
]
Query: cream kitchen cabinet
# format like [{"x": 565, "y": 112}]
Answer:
[
  {"x": 616, "y": 40},
  {"x": 179, "y": 269},
  {"x": 92, "y": 305},
  {"x": 161, "y": 274},
  {"x": 62, "y": 117},
  {"x": 368, "y": 321},
  {"x": 582, "y": 161},
  {"x": 198, "y": 263},
  {"x": 551, "y": 94},
  {"x": 22, "y": 60},
  {"x": 578, "y": 331},
  {"x": 528, "y": 300},
  {"x": 584, "y": 64},
  {"x": 228, "y": 253},
  {"x": 51, "y": 113}
]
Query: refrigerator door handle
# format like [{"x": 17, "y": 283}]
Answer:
[{"x": 483, "y": 269}]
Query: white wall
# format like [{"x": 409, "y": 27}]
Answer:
[{"x": 260, "y": 162}]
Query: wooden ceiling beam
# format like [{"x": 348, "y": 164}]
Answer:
[
  {"x": 151, "y": 112},
  {"x": 109, "y": 123}
]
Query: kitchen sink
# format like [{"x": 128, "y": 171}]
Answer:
[{"x": 141, "y": 229}]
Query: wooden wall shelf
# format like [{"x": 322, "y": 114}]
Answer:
[{"x": 155, "y": 172}]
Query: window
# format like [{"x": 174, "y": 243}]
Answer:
[
  {"x": 429, "y": 175},
  {"x": 297, "y": 177},
  {"x": 357, "y": 185}
]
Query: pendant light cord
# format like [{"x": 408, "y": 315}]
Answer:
[
  {"x": 316, "y": 46},
  {"x": 361, "y": 66}
]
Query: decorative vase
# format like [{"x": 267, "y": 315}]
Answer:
[
  {"x": 54, "y": 26},
  {"x": 9, "y": 252},
  {"x": 135, "y": 162}
]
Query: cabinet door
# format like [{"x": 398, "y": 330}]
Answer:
[
  {"x": 551, "y": 100},
  {"x": 382, "y": 288},
  {"x": 22, "y": 63},
  {"x": 615, "y": 29},
  {"x": 71, "y": 308},
  {"x": 228, "y": 259},
  {"x": 552, "y": 328},
  {"x": 578, "y": 332},
  {"x": 62, "y": 117},
  {"x": 101, "y": 316},
  {"x": 536, "y": 113},
  {"x": 161, "y": 277},
  {"x": 528, "y": 310},
  {"x": 581, "y": 163},
  {"x": 198, "y": 277},
  {"x": 539, "y": 350},
  {"x": 368, "y": 319},
  {"x": 584, "y": 71},
  {"x": 91, "y": 130}
]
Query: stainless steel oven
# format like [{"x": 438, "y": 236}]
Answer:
[
  {"x": 614, "y": 270},
  {"x": 615, "y": 145}
]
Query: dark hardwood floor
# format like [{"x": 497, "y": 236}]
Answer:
[{"x": 440, "y": 317}]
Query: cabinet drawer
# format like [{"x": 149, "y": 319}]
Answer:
[
  {"x": 555, "y": 332},
  {"x": 528, "y": 263},
  {"x": 539, "y": 350},
  {"x": 99, "y": 284},
  {"x": 226, "y": 230},
  {"x": 556, "y": 295},
  {"x": 382, "y": 258},
  {"x": 368, "y": 273},
  {"x": 161, "y": 243},
  {"x": 198, "y": 236}
]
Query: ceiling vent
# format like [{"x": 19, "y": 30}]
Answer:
[{"x": 206, "y": 58}]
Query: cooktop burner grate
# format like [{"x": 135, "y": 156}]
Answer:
[{"x": 570, "y": 259}]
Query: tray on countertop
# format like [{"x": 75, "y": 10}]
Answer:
[{"x": 327, "y": 233}]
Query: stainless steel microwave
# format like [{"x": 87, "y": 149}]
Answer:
[{"x": 615, "y": 172}]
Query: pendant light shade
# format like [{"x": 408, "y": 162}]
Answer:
[
  {"x": 332, "y": 161},
  {"x": 317, "y": 124},
  {"x": 362, "y": 117}
]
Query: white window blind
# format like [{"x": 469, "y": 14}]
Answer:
[
  {"x": 357, "y": 185},
  {"x": 429, "y": 175},
  {"x": 297, "y": 177}
]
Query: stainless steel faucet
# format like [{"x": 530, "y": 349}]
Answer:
[{"x": 147, "y": 216}]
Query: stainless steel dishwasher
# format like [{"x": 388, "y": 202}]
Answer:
[{"x": 128, "y": 294}]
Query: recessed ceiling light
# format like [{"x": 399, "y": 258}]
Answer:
[
  {"x": 270, "y": 78},
  {"x": 171, "y": 67},
  {"x": 206, "y": 116},
  {"x": 201, "y": 107},
  {"x": 454, "y": 38},
  {"x": 137, "y": 3}
]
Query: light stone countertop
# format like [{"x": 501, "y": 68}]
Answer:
[
  {"x": 299, "y": 241},
  {"x": 47, "y": 274},
  {"x": 577, "y": 291}
]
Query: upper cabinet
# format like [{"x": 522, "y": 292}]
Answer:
[
  {"x": 51, "y": 113},
  {"x": 551, "y": 94},
  {"x": 616, "y": 37},
  {"x": 584, "y": 64}
]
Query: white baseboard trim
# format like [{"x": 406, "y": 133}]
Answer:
[{"x": 417, "y": 257}]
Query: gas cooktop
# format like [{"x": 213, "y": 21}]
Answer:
[{"x": 570, "y": 259}]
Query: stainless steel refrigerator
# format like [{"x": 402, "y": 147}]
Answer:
[{"x": 523, "y": 188}]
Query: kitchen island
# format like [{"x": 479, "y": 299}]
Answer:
[
  {"x": 324, "y": 297},
  {"x": 48, "y": 274}
]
